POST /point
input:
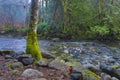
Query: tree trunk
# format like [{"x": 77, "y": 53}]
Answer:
[{"x": 32, "y": 46}]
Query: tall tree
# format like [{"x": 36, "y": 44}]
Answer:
[{"x": 32, "y": 46}]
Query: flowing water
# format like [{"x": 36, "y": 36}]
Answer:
[{"x": 83, "y": 51}]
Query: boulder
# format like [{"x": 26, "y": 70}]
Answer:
[
  {"x": 26, "y": 59},
  {"x": 31, "y": 72},
  {"x": 57, "y": 65}
]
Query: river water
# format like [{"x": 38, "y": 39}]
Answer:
[{"x": 83, "y": 51}]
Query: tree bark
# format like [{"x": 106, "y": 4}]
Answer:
[{"x": 32, "y": 46}]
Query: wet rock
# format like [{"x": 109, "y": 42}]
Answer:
[
  {"x": 26, "y": 59},
  {"x": 76, "y": 66},
  {"x": 76, "y": 76},
  {"x": 114, "y": 78},
  {"x": 8, "y": 57},
  {"x": 31, "y": 72},
  {"x": 105, "y": 76},
  {"x": 16, "y": 55},
  {"x": 66, "y": 51},
  {"x": 48, "y": 55},
  {"x": 55, "y": 39},
  {"x": 2, "y": 67},
  {"x": 111, "y": 60},
  {"x": 43, "y": 62},
  {"x": 111, "y": 71},
  {"x": 88, "y": 75},
  {"x": 92, "y": 68},
  {"x": 57, "y": 65}
]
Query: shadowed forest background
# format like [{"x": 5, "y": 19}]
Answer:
[{"x": 70, "y": 19}]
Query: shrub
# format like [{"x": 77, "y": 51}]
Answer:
[
  {"x": 7, "y": 28},
  {"x": 100, "y": 30},
  {"x": 43, "y": 29}
]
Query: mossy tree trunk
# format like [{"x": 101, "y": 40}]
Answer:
[
  {"x": 65, "y": 17},
  {"x": 32, "y": 46}
]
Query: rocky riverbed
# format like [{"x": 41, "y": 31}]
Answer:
[{"x": 101, "y": 58}]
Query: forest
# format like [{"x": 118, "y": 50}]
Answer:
[
  {"x": 59, "y": 39},
  {"x": 70, "y": 19}
]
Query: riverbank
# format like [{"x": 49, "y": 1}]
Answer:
[{"x": 96, "y": 56}]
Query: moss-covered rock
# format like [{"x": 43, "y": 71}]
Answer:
[
  {"x": 76, "y": 66},
  {"x": 32, "y": 46},
  {"x": 15, "y": 65},
  {"x": 115, "y": 67},
  {"x": 13, "y": 72},
  {"x": 88, "y": 75},
  {"x": 57, "y": 64}
]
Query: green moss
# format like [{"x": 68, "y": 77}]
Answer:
[
  {"x": 90, "y": 75},
  {"x": 13, "y": 72},
  {"x": 32, "y": 46},
  {"x": 9, "y": 64},
  {"x": 115, "y": 67}
]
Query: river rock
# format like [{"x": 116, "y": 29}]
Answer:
[
  {"x": 76, "y": 76},
  {"x": 39, "y": 79},
  {"x": 47, "y": 55},
  {"x": 105, "y": 76},
  {"x": 66, "y": 51},
  {"x": 43, "y": 62},
  {"x": 16, "y": 55},
  {"x": 88, "y": 75},
  {"x": 3, "y": 67},
  {"x": 114, "y": 78},
  {"x": 13, "y": 72},
  {"x": 110, "y": 70},
  {"x": 31, "y": 72},
  {"x": 15, "y": 65},
  {"x": 8, "y": 57},
  {"x": 76, "y": 66},
  {"x": 26, "y": 59},
  {"x": 57, "y": 65},
  {"x": 111, "y": 60},
  {"x": 92, "y": 68}
]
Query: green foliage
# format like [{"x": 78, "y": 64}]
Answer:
[
  {"x": 22, "y": 29},
  {"x": 43, "y": 29},
  {"x": 100, "y": 30},
  {"x": 7, "y": 28}
]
